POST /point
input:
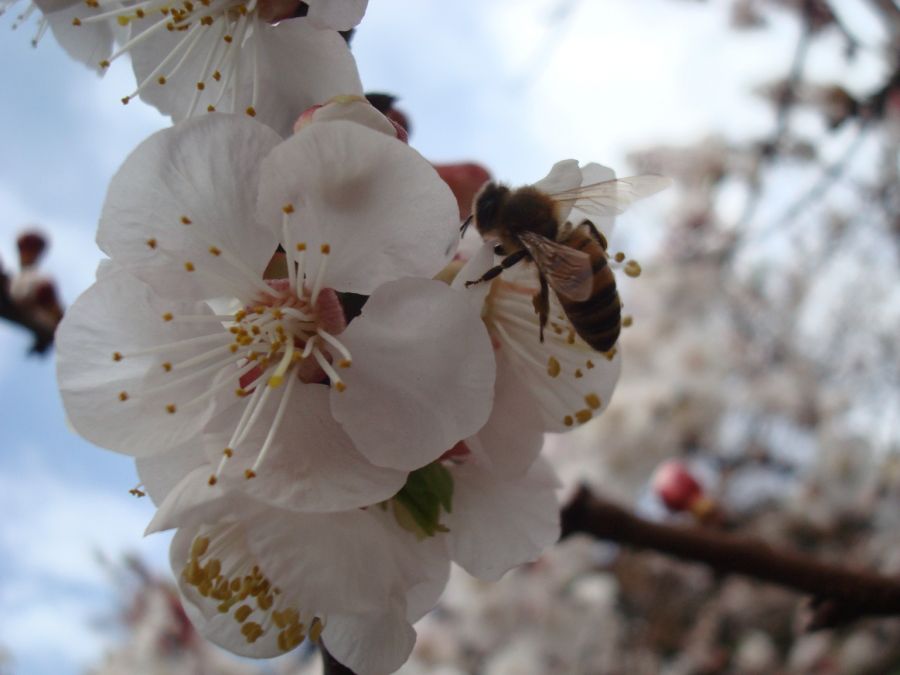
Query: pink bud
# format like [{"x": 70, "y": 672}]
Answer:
[
  {"x": 465, "y": 179},
  {"x": 675, "y": 486}
]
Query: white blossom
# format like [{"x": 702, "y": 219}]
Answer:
[
  {"x": 258, "y": 579},
  {"x": 182, "y": 335},
  {"x": 200, "y": 56}
]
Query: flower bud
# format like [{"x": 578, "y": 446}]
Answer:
[
  {"x": 31, "y": 245},
  {"x": 675, "y": 486},
  {"x": 465, "y": 179}
]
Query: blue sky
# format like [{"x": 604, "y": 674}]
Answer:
[{"x": 486, "y": 81}]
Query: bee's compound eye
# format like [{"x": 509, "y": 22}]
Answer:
[{"x": 499, "y": 250}]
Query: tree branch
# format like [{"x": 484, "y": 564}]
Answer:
[
  {"x": 43, "y": 336},
  {"x": 842, "y": 593}
]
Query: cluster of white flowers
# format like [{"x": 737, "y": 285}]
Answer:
[{"x": 323, "y": 418}]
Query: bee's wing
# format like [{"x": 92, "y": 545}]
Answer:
[
  {"x": 567, "y": 270},
  {"x": 612, "y": 197}
]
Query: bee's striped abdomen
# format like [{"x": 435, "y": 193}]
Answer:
[{"x": 597, "y": 320}]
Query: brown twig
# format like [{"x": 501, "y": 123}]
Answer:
[{"x": 848, "y": 593}]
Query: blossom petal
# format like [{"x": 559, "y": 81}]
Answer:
[
  {"x": 336, "y": 14},
  {"x": 572, "y": 382},
  {"x": 180, "y": 211},
  {"x": 161, "y": 473},
  {"x": 497, "y": 524},
  {"x": 88, "y": 43},
  {"x": 193, "y": 501},
  {"x": 321, "y": 67},
  {"x": 339, "y": 562},
  {"x": 370, "y": 644},
  {"x": 376, "y": 203},
  {"x": 422, "y": 377},
  {"x": 115, "y": 392},
  {"x": 514, "y": 434},
  {"x": 311, "y": 464}
]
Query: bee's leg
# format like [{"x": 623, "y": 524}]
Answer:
[
  {"x": 495, "y": 271},
  {"x": 595, "y": 233},
  {"x": 465, "y": 225},
  {"x": 541, "y": 301}
]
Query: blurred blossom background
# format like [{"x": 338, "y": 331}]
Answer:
[{"x": 763, "y": 353}]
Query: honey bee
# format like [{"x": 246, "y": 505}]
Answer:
[{"x": 572, "y": 260}]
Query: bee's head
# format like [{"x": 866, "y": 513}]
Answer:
[{"x": 487, "y": 204}]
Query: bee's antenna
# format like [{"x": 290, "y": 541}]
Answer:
[{"x": 465, "y": 225}]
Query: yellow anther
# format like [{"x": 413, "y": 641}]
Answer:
[
  {"x": 206, "y": 21},
  {"x": 553, "y": 367},
  {"x": 288, "y": 208},
  {"x": 137, "y": 492},
  {"x": 213, "y": 568},
  {"x": 251, "y": 111},
  {"x": 240, "y": 391},
  {"x": 170, "y": 408},
  {"x": 214, "y": 250},
  {"x": 212, "y": 480},
  {"x": 227, "y": 39},
  {"x": 199, "y": 547},
  {"x": 104, "y": 63},
  {"x": 185, "y": 220},
  {"x": 627, "y": 321},
  {"x": 619, "y": 257},
  {"x": 189, "y": 266},
  {"x": 251, "y": 631},
  {"x": 217, "y": 76},
  {"x": 568, "y": 421},
  {"x": 167, "y": 316},
  {"x": 210, "y": 108},
  {"x": 301, "y": 246},
  {"x": 117, "y": 356},
  {"x": 167, "y": 366},
  {"x": 151, "y": 243},
  {"x": 242, "y": 612},
  {"x": 249, "y": 474},
  {"x": 326, "y": 249},
  {"x": 340, "y": 386},
  {"x": 265, "y": 602},
  {"x": 276, "y": 381},
  {"x": 228, "y": 452},
  {"x": 583, "y": 416},
  {"x": 610, "y": 355},
  {"x": 578, "y": 373},
  {"x": 632, "y": 268},
  {"x": 593, "y": 401},
  {"x": 139, "y": 13},
  {"x": 344, "y": 363},
  {"x": 315, "y": 629},
  {"x": 233, "y": 347},
  {"x": 161, "y": 79},
  {"x": 76, "y": 21},
  {"x": 570, "y": 338},
  {"x": 123, "y": 396},
  {"x": 125, "y": 100},
  {"x": 589, "y": 364}
]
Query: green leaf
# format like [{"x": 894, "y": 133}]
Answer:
[{"x": 427, "y": 491}]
